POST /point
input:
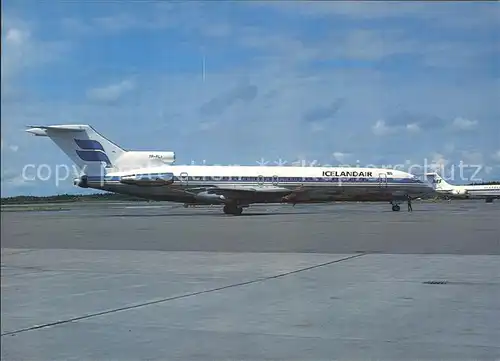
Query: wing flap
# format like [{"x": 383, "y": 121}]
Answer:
[
  {"x": 252, "y": 189},
  {"x": 242, "y": 191}
]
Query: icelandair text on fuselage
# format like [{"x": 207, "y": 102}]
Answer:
[{"x": 329, "y": 173}]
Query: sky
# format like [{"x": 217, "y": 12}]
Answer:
[{"x": 253, "y": 83}]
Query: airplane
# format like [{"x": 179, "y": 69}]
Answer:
[
  {"x": 479, "y": 191},
  {"x": 152, "y": 175}
]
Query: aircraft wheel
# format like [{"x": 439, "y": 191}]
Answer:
[
  {"x": 489, "y": 200},
  {"x": 234, "y": 210},
  {"x": 396, "y": 208}
]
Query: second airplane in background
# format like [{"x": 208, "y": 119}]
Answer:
[
  {"x": 152, "y": 175},
  {"x": 489, "y": 192}
]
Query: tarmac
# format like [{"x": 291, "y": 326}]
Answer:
[{"x": 155, "y": 281}]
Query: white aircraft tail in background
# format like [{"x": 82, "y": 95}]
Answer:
[
  {"x": 481, "y": 191},
  {"x": 439, "y": 184}
]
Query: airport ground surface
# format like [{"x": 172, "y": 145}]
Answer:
[{"x": 319, "y": 282}]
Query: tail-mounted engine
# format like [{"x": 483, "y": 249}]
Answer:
[
  {"x": 459, "y": 192},
  {"x": 81, "y": 182},
  {"x": 157, "y": 179}
]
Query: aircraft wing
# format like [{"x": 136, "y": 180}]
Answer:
[
  {"x": 241, "y": 191},
  {"x": 250, "y": 193}
]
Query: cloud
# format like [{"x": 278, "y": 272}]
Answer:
[
  {"x": 75, "y": 26},
  {"x": 438, "y": 162},
  {"x": 464, "y": 124},
  {"x": 353, "y": 10},
  {"x": 9, "y": 176},
  {"x": 340, "y": 156},
  {"x": 413, "y": 127},
  {"x": 415, "y": 123},
  {"x": 22, "y": 49},
  {"x": 449, "y": 147},
  {"x": 381, "y": 128},
  {"x": 13, "y": 148},
  {"x": 446, "y": 17},
  {"x": 496, "y": 156},
  {"x": 371, "y": 45},
  {"x": 110, "y": 93},
  {"x": 117, "y": 22},
  {"x": 16, "y": 37},
  {"x": 17, "y": 48},
  {"x": 9, "y": 147},
  {"x": 324, "y": 113},
  {"x": 473, "y": 157},
  {"x": 13, "y": 179},
  {"x": 218, "y": 104},
  {"x": 386, "y": 37}
]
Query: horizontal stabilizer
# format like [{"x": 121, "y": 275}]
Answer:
[
  {"x": 68, "y": 127},
  {"x": 41, "y": 130}
]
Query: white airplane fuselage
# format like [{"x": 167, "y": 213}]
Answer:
[
  {"x": 473, "y": 191},
  {"x": 255, "y": 184},
  {"x": 477, "y": 191}
]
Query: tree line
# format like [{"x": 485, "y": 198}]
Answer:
[{"x": 65, "y": 198}]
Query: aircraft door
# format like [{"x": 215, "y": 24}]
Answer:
[
  {"x": 260, "y": 180},
  {"x": 184, "y": 178},
  {"x": 382, "y": 180}
]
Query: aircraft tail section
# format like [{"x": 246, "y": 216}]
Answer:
[
  {"x": 88, "y": 149},
  {"x": 437, "y": 182}
]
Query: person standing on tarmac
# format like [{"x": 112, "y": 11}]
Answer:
[{"x": 410, "y": 209}]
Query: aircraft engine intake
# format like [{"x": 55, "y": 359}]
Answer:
[
  {"x": 460, "y": 192},
  {"x": 165, "y": 157},
  {"x": 81, "y": 182}
]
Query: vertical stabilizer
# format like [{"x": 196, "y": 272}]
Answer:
[
  {"x": 437, "y": 182},
  {"x": 91, "y": 152}
]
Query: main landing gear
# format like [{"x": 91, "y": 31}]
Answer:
[
  {"x": 395, "y": 206},
  {"x": 233, "y": 209}
]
